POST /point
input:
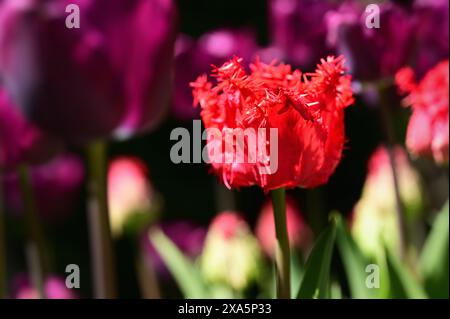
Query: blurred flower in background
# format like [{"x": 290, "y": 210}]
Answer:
[
  {"x": 298, "y": 29},
  {"x": 415, "y": 35},
  {"x": 372, "y": 53},
  {"x": 428, "y": 128},
  {"x": 133, "y": 203},
  {"x": 300, "y": 236},
  {"x": 374, "y": 220},
  {"x": 20, "y": 141},
  {"x": 432, "y": 34},
  {"x": 193, "y": 57},
  {"x": 187, "y": 236},
  {"x": 109, "y": 77},
  {"x": 275, "y": 96},
  {"x": 55, "y": 288},
  {"x": 56, "y": 184},
  {"x": 231, "y": 254}
]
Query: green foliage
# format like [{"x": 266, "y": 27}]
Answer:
[
  {"x": 297, "y": 270},
  {"x": 354, "y": 262},
  {"x": 315, "y": 283},
  {"x": 434, "y": 264},
  {"x": 184, "y": 271},
  {"x": 313, "y": 279},
  {"x": 402, "y": 284}
]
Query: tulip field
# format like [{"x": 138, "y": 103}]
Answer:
[{"x": 260, "y": 149}]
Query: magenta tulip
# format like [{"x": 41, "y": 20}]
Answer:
[
  {"x": 109, "y": 77},
  {"x": 20, "y": 141},
  {"x": 193, "y": 57}
]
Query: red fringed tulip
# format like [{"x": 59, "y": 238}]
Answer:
[
  {"x": 428, "y": 128},
  {"x": 306, "y": 111},
  {"x": 20, "y": 141},
  {"x": 109, "y": 77},
  {"x": 299, "y": 233}
]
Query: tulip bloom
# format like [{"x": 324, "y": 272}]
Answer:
[
  {"x": 231, "y": 255},
  {"x": 298, "y": 28},
  {"x": 109, "y": 77},
  {"x": 306, "y": 110},
  {"x": 432, "y": 34},
  {"x": 298, "y": 231},
  {"x": 193, "y": 57},
  {"x": 416, "y": 35},
  {"x": 374, "y": 222},
  {"x": 131, "y": 197},
  {"x": 428, "y": 128},
  {"x": 20, "y": 141},
  {"x": 372, "y": 53}
]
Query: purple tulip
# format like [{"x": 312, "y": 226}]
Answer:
[
  {"x": 20, "y": 141},
  {"x": 432, "y": 35},
  {"x": 408, "y": 35},
  {"x": 109, "y": 77},
  {"x": 55, "y": 288},
  {"x": 298, "y": 28},
  {"x": 186, "y": 236},
  {"x": 193, "y": 57},
  {"x": 56, "y": 184}
]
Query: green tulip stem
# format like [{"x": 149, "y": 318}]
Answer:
[
  {"x": 282, "y": 253},
  {"x": 102, "y": 251},
  {"x": 35, "y": 247},
  {"x": 386, "y": 121}
]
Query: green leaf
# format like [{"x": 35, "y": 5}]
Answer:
[
  {"x": 315, "y": 283},
  {"x": 434, "y": 264},
  {"x": 296, "y": 272},
  {"x": 183, "y": 270},
  {"x": 402, "y": 284},
  {"x": 223, "y": 292},
  {"x": 355, "y": 263},
  {"x": 296, "y": 276},
  {"x": 336, "y": 290}
]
